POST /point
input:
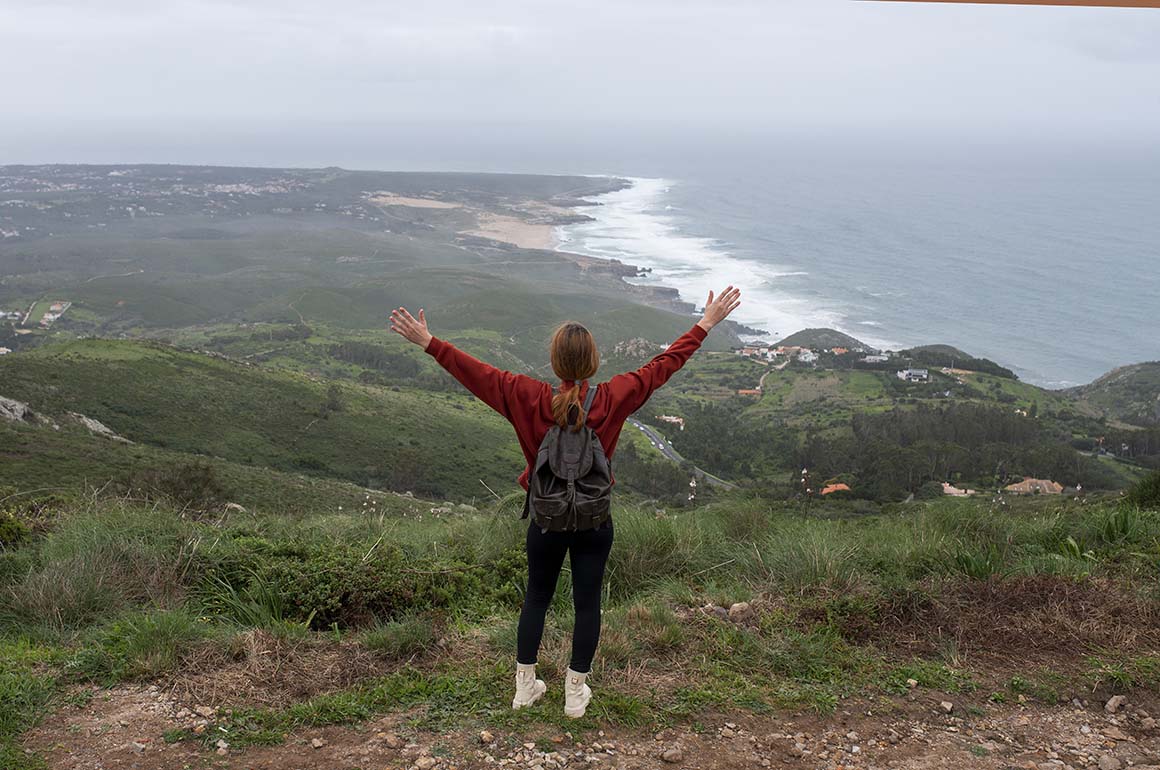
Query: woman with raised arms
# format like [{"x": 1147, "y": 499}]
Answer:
[{"x": 568, "y": 431}]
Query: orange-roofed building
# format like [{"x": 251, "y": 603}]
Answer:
[
  {"x": 1035, "y": 487},
  {"x": 831, "y": 488}
]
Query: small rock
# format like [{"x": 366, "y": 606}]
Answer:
[
  {"x": 184, "y": 714},
  {"x": 138, "y": 747},
  {"x": 392, "y": 741},
  {"x": 673, "y": 754},
  {"x": 486, "y": 737},
  {"x": 947, "y": 706},
  {"x": 740, "y": 611},
  {"x": 426, "y": 763},
  {"x": 1115, "y": 733},
  {"x": 912, "y": 683},
  {"x": 1114, "y": 704},
  {"x": 1148, "y": 723},
  {"x": 727, "y": 732},
  {"x": 317, "y": 743},
  {"x": 200, "y": 729},
  {"x": 1108, "y": 762},
  {"x": 222, "y": 744},
  {"x": 852, "y": 735},
  {"x": 206, "y": 712}
]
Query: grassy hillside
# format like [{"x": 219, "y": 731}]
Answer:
[
  {"x": 339, "y": 619},
  {"x": 438, "y": 444},
  {"x": 1130, "y": 394},
  {"x": 72, "y": 463}
]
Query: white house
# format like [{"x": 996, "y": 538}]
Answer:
[
  {"x": 914, "y": 375},
  {"x": 875, "y": 359},
  {"x": 807, "y": 356}
]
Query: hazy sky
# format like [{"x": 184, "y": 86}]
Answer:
[{"x": 81, "y": 78}]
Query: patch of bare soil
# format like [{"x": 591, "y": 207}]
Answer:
[{"x": 124, "y": 727}]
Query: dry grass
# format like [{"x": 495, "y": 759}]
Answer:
[
  {"x": 260, "y": 668},
  {"x": 1039, "y": 616}
]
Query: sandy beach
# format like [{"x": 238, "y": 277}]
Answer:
[{"x": 508, "y": 229}]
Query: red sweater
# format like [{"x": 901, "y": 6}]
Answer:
[{"x": 527, "y": 402}]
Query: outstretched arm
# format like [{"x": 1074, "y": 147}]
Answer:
[
  {"x": 498, "y": 389},
  {"x": 633, "y": 389}
]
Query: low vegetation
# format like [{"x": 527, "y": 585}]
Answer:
[{"x": 422, "y": 608}]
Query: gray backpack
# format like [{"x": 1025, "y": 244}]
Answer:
[{"x": 570, "y": 486}]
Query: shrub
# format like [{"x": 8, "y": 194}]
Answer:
[
  {"x": 930, "y": 490},
  {"x": 13, "y": 531},
  {"x": 188, "y": 485},
  {"x": 323, "y": 583},
  {"x": 1145, "y": 493}
]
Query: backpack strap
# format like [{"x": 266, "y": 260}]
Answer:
[{"x": 588, "y": 401}]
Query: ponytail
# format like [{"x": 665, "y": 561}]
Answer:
[{"x": 567, "y": 410}]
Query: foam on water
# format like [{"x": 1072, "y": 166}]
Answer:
[{"x": 636, "y": 226}]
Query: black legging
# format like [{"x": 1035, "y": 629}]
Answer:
[{"x": 546, "y": 551}]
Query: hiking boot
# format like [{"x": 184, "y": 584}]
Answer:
[
  {"x": 528, "y": 688},
  {"x": 577, "y": 693}
]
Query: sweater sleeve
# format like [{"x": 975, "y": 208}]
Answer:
[
  {"x": 631, "y": 390},
  {"x": 497, "y": 388}
]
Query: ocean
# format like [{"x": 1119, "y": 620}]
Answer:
[
  {"x": 1044, "y": 262},
  {"x": 1038, "y": 251}
]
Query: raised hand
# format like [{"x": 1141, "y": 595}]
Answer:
[
  {"x": 410, "y": 328},
  {"x": 717, "y": 310}
]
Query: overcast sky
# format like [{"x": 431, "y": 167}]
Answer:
[{"x": 78, "y": 75}]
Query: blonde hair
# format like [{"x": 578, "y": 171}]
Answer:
[{"x": 574, "y": 357}]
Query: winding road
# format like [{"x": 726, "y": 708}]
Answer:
[{"x": 667, "y": 450}]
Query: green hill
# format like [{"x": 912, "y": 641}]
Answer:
[
  {"x": 950, "y": 356},
  {"x": 1130, "y": 394},
  {"x": 436, "y": 444},
  {"x": 824, "y": 339},
  {"x": 71, "y": 462}
]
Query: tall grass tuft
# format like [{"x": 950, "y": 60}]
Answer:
[
  {"x": 401, "y": 638},
  {"x": 137, "y": 646},
  {"x": 649, "y": 549},
  {"x": 809, "y": 557},
  {"x": 103, "y": 561},
  {"x": 257, "y": 605}
]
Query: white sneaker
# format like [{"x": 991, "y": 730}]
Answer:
[
  {"x": 577, "y": 694},
  {"x": 528, "y": 688}
]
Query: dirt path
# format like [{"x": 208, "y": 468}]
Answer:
[{"x": 125, "y": 728}]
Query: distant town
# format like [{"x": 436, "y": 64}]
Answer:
[
  {"x": 847, "y": 357},
  {"x": 41, "y": 314}
]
